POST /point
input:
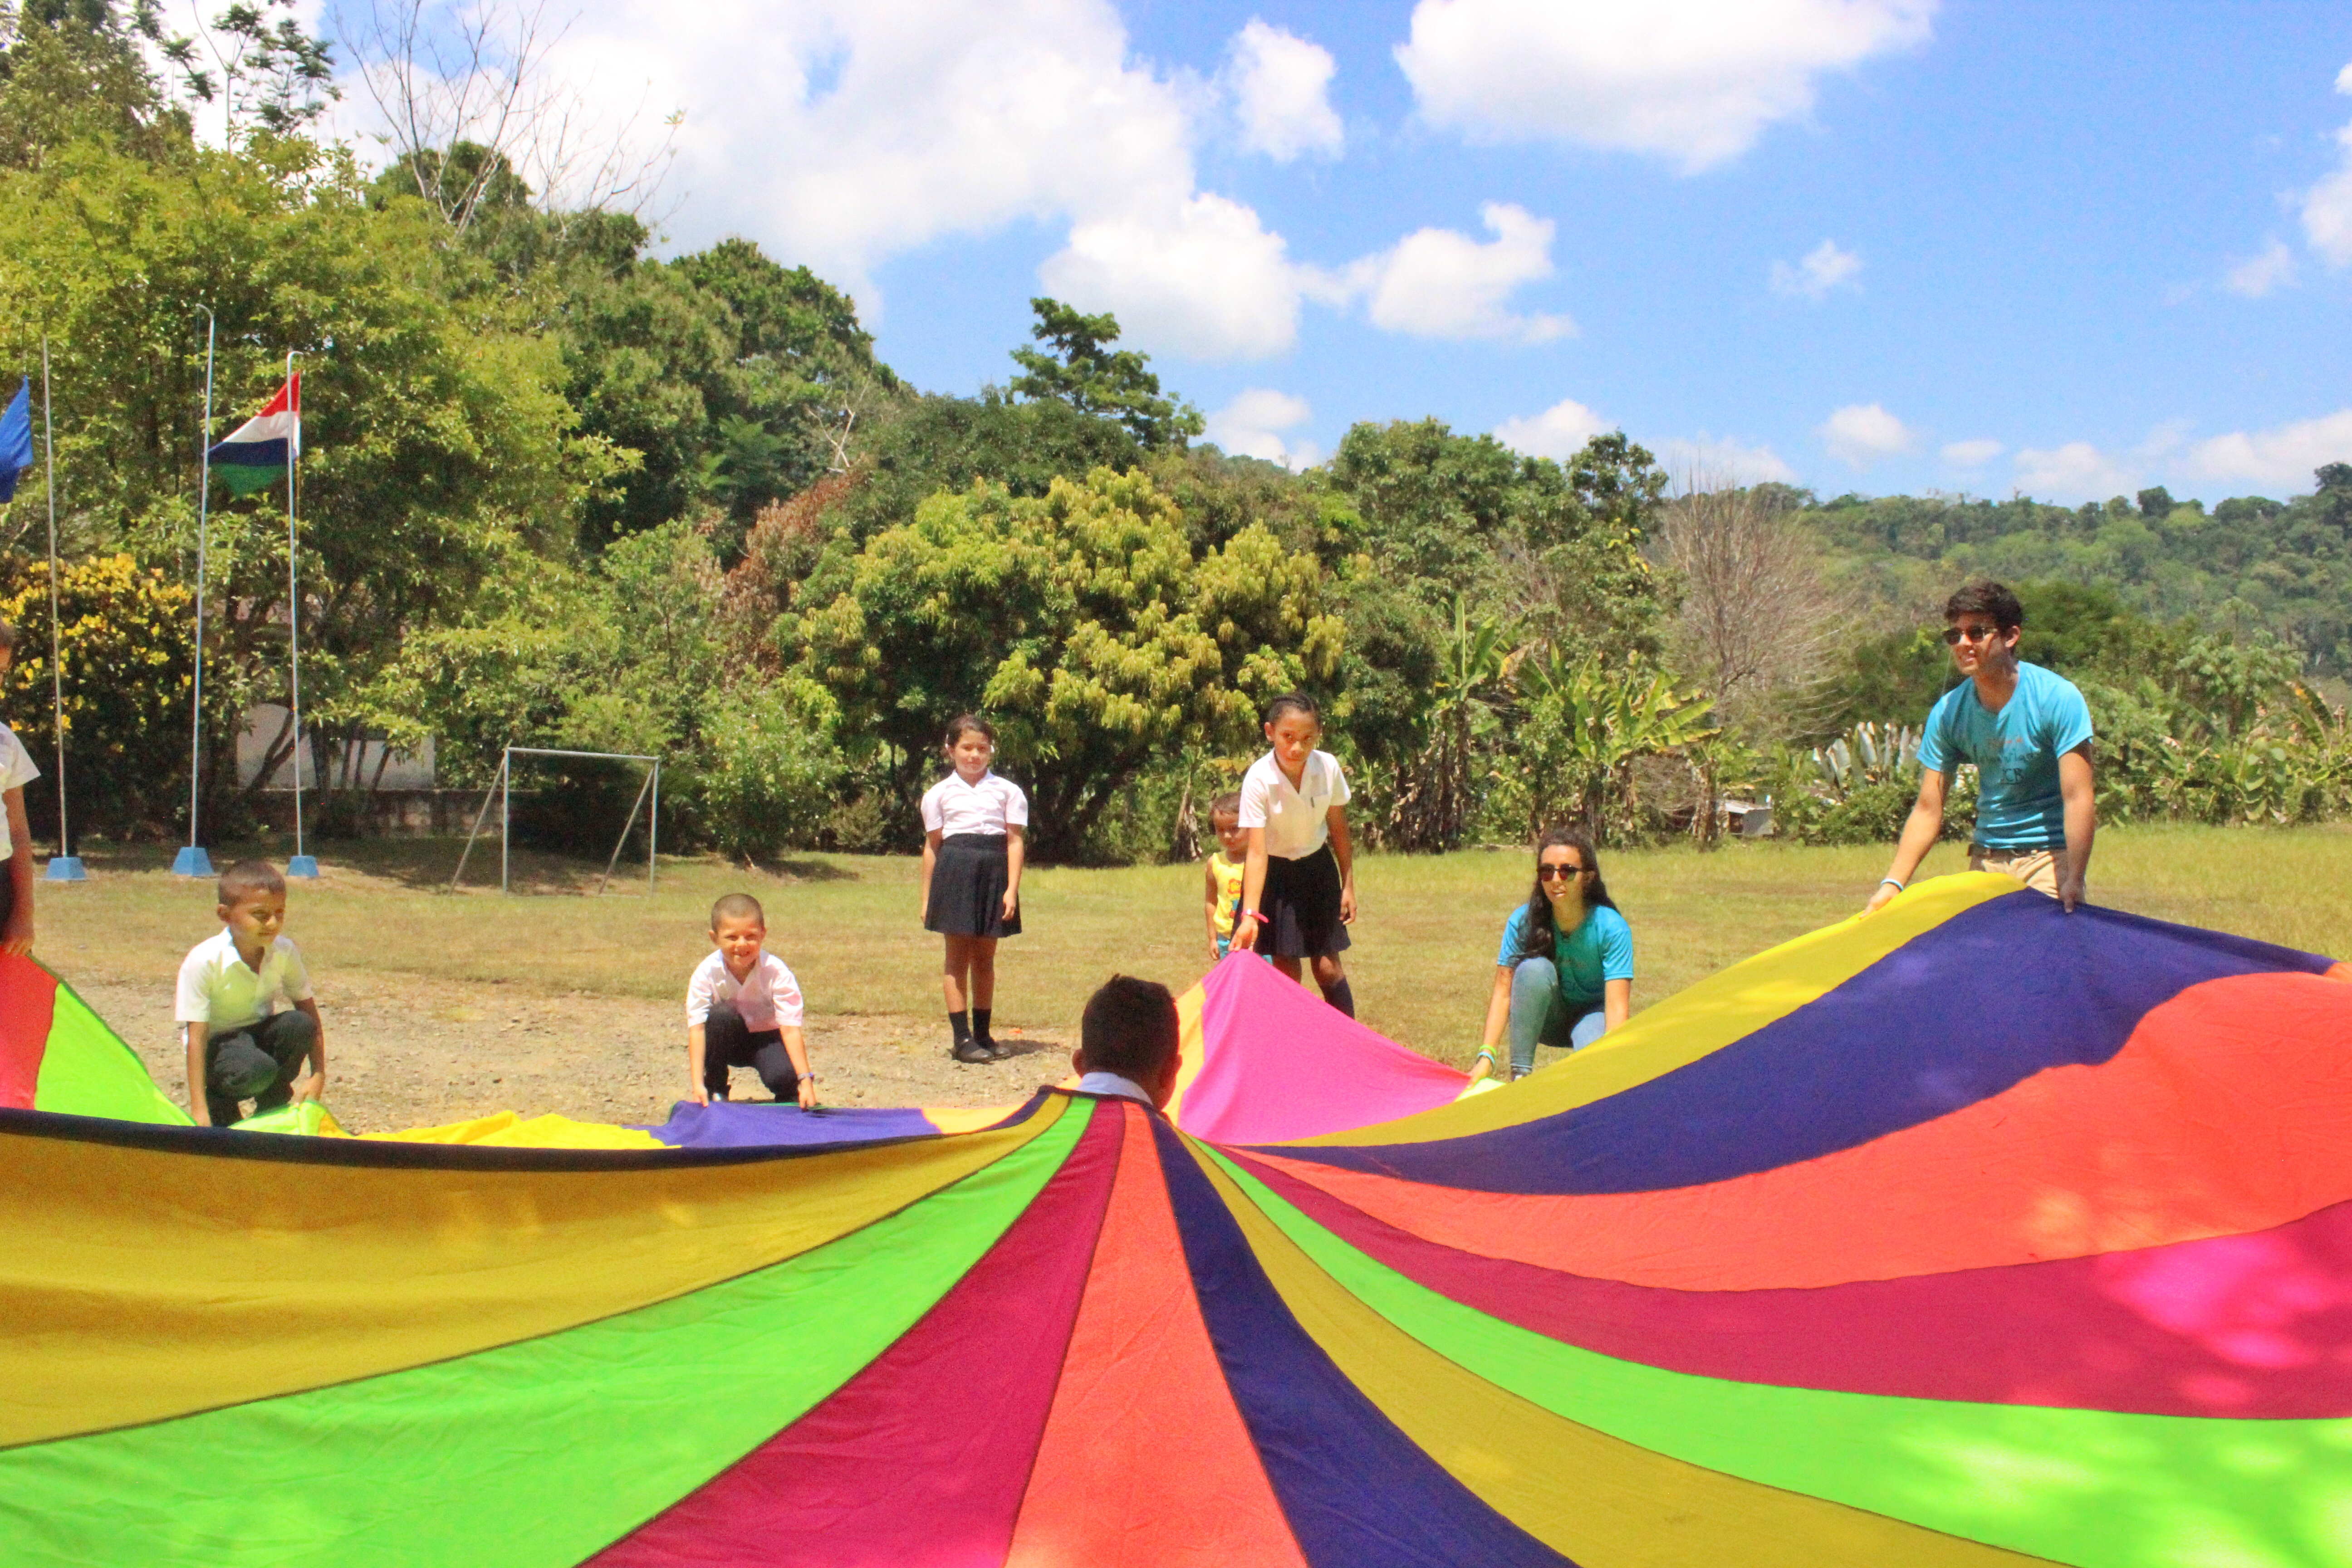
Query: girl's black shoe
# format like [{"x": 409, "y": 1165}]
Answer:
[{"x": 971, "y": 1051}]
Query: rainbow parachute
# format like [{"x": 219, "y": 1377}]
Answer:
[{"x": 1969, "y": 1233}]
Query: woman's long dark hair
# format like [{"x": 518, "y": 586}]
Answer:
[{"x": 1536, "y": 932}]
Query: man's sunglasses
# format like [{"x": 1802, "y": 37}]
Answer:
[
  {"x": 1553, "y": 873},
  {"x": 1953, "y": 634}
]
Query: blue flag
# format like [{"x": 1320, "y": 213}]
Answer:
[{"x": 16, "y": 440}]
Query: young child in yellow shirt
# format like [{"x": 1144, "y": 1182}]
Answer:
[{"x": 1223, "y": 887}]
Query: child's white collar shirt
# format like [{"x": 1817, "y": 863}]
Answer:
[
  {"x": 218, "y": 989},
  {"x": 767, "y": 998},
  {"x": 952, "y": 806},
  {"x": 1297, "y": 822},
  {"x": 16, "y": 771},
  {"x": 1113, "y": 1083}
]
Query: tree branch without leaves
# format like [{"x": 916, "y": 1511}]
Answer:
[
  {"x": 467, "y": 100},
  {"x": 1758, "y": 624}
]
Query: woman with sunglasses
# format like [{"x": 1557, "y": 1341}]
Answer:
[{"x": 1564, "y": 975}]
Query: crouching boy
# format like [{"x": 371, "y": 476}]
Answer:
[
  {"x": 246, "y": 1007},
  {"x": 743, "y": 1010}
]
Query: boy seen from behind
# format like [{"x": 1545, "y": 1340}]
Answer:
[
  {"x": 743, "y": 1010},
  {"x": 1223, "y": 891},
  {"x": 1128, "y": 1040},
  {"x": 246, "y": 1007}
]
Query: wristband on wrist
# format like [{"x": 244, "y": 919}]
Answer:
[
  {"x": 1487, "y": 1052},
  {"x": 1254, "y": 915},
  {"x": 1890, "y": 882}
]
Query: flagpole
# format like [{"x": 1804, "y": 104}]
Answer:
[
  {"x": 301, "y": 865},
  {"x": 65, "y": 865},
  {"x": 193, "y": 861}
]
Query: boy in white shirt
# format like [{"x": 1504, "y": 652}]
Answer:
[
  {"x": 246, "y": 1006},
  {"x": 743, "y": 1010},
  {"x": 16, "y": 771}
]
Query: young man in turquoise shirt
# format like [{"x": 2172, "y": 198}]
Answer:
[{"x": 2029, "y": 733}]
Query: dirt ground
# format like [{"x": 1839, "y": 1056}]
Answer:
[{"x": 414, "y": 1052}]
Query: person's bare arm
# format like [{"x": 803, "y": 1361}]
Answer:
[
  {"x": 1616, "y": 1003},
  {"x": 2079, "y": 790},
  {"x": 315, "y": 1086},
  {"x": 1920, "y": 831},
  {"x": 931, "y": 859},
  {"x": 1016, "y": 846},
  {"x": 694, "y": 1090},
  {"x": 1252, "y": 888},
  {"x": 1342, "y": 852},
  {"x": 796, "y": 1047},
  {"x": 1498, "y": 1015},
  {"x": 1208, "y": 907},
  {"x": 197, "y": 1033}
]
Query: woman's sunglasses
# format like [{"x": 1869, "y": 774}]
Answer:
[{"x": 1553, "y": 873}]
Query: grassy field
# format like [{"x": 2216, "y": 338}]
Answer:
[{"x": 847, "y": 925}]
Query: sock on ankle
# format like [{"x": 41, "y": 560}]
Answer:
[
  {"x": 979, "y": 1025},
  {"x": 1343, "y": 997},
  {"x": 962, "y": 1029}
]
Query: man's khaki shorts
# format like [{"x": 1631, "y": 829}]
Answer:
[{"x": 2037, "y": 868}]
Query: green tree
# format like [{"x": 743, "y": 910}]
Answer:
[
  {"x": 1084, "y": 371},
  {"x": 76, "y": 70},
  {"x": 437, "y": 442},
  {"x": 1084, "y": 622}
]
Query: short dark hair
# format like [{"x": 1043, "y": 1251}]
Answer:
[
  {"x": 736, "y": 907},
  {"x": 247, "y": 877},
  {"x": 1129, "y": 1028},
  {"x": 964, "y": 721},
  {"x": 1227, "y": 805},
  {"x": 1293, "y": 703},
  {"x": 1985, "y": 597}
]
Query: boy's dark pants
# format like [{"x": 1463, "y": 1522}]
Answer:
[
  {"x": 258, "y": 1062},
  {"x": 729, "y": 1042}
]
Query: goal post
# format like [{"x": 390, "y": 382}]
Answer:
[{"x": 501, "y": 793}]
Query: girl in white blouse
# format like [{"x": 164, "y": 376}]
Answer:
[
  {"x": 1298, "y": 889},
  {"x": 973, "y": 822}
]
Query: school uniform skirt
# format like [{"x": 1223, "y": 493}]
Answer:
[
  {"x": 968, "y": 883},
  {"x": 1300, "y": 902}
]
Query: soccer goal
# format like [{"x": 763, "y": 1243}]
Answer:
[{"x": 501, "y": 794}]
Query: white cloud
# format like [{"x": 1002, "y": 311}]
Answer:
[
  {"x": 1694, "y": 80},
  {"x": 1973, "y": 454},
  {"x": 1210, "y": 279},
  {"x": 1558, "y": 431},
  {"x": 842, "y": 134},
  {"x": 1251, "y": 425},
  {"x": 1441, "y": 283},
  {"x": 2258, "y": 275},
  {"x": 1860, "y": 434},
  {"x": 2077, "y": 471},
  {"x": 2327, "y": 206},
  {"x": 1707, "y": 462},
  {"x": 2280, "y": 457},
  {"x": 1824, "y": 268},
  {"x": 1282, "y": 86}
]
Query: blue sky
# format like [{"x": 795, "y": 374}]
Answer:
[{"x": 2072, "y": 248}]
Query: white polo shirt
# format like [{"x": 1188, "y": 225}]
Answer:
[
  {"x": 1296, "y": 821},
  {"x": 951, "y": 806},
  {"x": 16, "y": 771},
  {"x": 217, "y": 989},
  {"x": 767, "y": 998}
]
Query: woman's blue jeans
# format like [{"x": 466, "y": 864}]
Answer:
[{"x": 1541, "y": 1016}]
